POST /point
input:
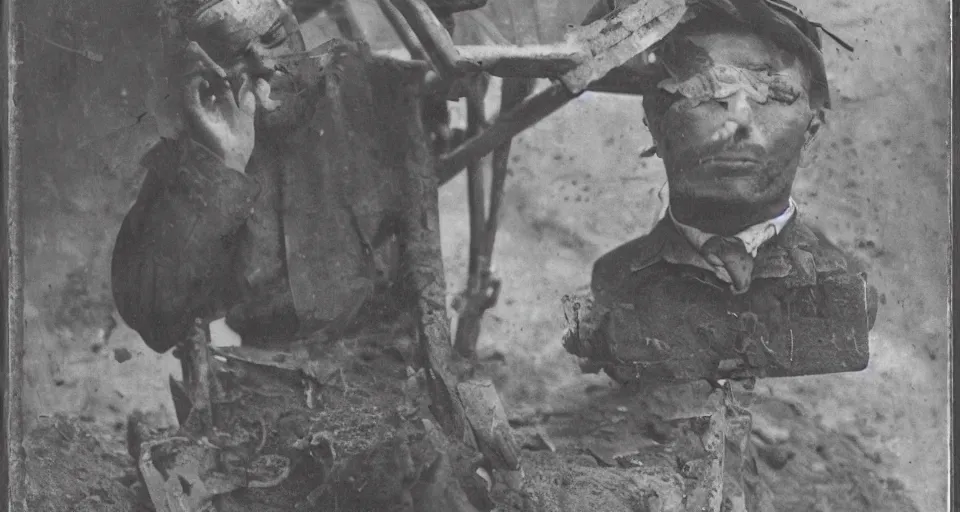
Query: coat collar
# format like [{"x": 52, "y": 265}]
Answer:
[
  {"x": 795, "y": 254},
  {"x": 752, "y": 237}
]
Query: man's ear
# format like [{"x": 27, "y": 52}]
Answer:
[
  {"x": 813, "y": 128},
  {"x": 653, "y": 150},
  {"x": 808, "y": 157}
]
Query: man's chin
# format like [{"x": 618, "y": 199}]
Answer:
[{"x": 729, "y": 189}]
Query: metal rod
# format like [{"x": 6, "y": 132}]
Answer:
[
  {"x": 505, "y": 127},
  {"x": 434, "y": 37}
]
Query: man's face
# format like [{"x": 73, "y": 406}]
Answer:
[
  {"x": 257, "y": 37},
  {"x": 732, "y": 122}
]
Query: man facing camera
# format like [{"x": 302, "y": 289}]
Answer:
[{"x": 731, "y": 282}]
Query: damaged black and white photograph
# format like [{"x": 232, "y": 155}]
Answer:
[{"x": 478, "y": 255}]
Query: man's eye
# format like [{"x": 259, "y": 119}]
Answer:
[
  {"x": 275, "y": 36},
  {"x": 784, "y": 90},
  {"x": 680, "y": 104},
  {"x": 782, "y": 95}
]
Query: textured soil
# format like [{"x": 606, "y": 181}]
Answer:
[{"x": 876, "y": 182}]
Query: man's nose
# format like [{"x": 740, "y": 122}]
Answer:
[{"x": 740, "y": 112}]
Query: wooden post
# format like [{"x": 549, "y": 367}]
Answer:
[
  {"x": 482, "y": 287},
  {"x": 465, "y": 341},
  {"x": 422, "y": 260},
  {"x": 195, "y": 362},
  {"x": 433, "y": 36},
  {"x": 403, "y": 30},
  {"x": 14, "y": 478}
]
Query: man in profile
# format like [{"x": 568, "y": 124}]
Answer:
[
  {"x": 272, "y": 207},
  {"x": 246, "y": 214}
]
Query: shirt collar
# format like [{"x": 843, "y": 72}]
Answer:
[{"x": 753, "y": 237}]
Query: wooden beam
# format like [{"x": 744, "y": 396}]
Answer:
[
  {"x": 403, "y": 30},
  {"x": 433, "y": 36},
  {"x": 424, "y": 280},
  {"x": 539, "y": 61},
  {"x": 617, "y": 41},
  {"x": 531, "y": 111},
  {"x": 14, "y": 481}
]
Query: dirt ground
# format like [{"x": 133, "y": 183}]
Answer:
[{"x": 876, "y": 182}]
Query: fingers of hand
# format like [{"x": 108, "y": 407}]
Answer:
[
  {"x": 202, "y": 60},
  {"x": 714, "y": 260},
  {"x": 205, "y": 92},
  {"x": 205, "y": 80},
  {"x": 246, "y": 99},
  {"x": 263, "y": 95},
  {"x": 195, "y": 95}
]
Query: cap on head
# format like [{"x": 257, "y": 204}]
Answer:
[
  {"x": 224, "y": 28},
  {"x": 777, "y": 20},
  {"x": 184, "y": 10},
  {"x": 787, "y": 26},
  {"x": 783, "y": 24}
]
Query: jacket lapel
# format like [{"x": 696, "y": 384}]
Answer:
[
  {"x": 328, "y": 255},
  {"x": 675, "y": 248},
  {"x": 794, "y": 255},
  {"x": 324, "y": 256}
]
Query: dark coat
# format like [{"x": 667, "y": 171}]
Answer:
[
  {"x": 302, "y": 241},
  {"x": 658, "y": 312}
]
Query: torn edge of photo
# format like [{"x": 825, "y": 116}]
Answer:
[{"x": 12, "y": 474}]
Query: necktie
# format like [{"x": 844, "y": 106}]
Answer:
[{"x": 731, "y": 254}]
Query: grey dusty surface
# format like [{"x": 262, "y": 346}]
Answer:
[{"x": 876, "y": 181}]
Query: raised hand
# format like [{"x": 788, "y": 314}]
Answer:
[{"x": 217, "y": 113}]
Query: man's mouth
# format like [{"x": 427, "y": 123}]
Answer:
[
  {"x": 729, "y": 159},
  {"x": 731, "y": 162}
]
